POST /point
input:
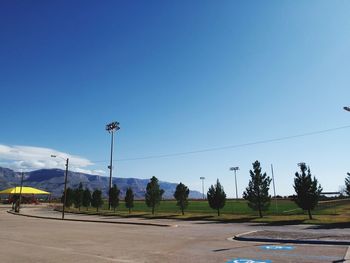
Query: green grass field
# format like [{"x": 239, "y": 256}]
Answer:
[
  {"x": 329, "y": 212},
  {"x": 202, "y": 207}
]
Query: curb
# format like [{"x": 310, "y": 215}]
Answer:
[
  {"x": 241, "y": 237},
  {"x": 93, "y": 221}
]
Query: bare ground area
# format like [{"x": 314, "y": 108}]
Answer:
[{"x": 25, "y": 239}]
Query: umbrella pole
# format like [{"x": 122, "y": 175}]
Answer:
[{"x": 20, "y": 194}]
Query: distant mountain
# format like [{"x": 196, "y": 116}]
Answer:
[{"x": 52, "y": 180}]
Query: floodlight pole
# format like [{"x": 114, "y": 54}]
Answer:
[
  {"x": 202, "y": 178},
  {"x": 274, "y": 189},
  {"x": 65, "y": 185},
  {"x": 111, "y": 128},
  {"x": 235, "y": 169}
]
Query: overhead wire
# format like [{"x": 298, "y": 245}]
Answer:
[
  {"x": 229, "y": 146},
  {"x": 213, "y": 149}
]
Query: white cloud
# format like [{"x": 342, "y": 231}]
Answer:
[
  {"x": 89, "y": 171},
  {"x": 28, "y": 158}
]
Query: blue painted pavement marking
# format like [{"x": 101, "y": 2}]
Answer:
[
  {"x": 277, "y": 247},
  {"x": 246, "y": 260}
]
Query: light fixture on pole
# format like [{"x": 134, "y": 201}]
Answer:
[
  {"x": 111, "y": 128},
  {"x": 346, "y": 108},
  {"x": 65, "y": 184},
  {"x": 235, "y": 169},
  {"x": 202, "y": 178}
]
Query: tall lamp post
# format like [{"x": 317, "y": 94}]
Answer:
[
  {"x": 65, "y": 184},
  {"x": 111, "y": 128},
  {"x": 274, "y": 189},
  {"x": 235, "y": 169},
  {"x": 202, "y": 178}
]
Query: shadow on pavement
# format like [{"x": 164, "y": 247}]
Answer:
[
  {"x": 229, "y": 221},
  {"x": 282, "y": 223},
  {"x": 331, "y": 226}
]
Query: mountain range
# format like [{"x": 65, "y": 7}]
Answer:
[{"x": 52, "y": 180}]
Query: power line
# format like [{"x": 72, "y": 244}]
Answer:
[
  {"x": 223, "y": 147},
  {"x": 233, "y": 146}
]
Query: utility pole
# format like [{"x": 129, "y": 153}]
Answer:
[
  {"x": 65, "y": 189},
  {"x": 65, "y": 184},
  {"x": 235, "y": 169},
  {"x": 202, "y": 178},
  {"x": 111, "y": 128}
]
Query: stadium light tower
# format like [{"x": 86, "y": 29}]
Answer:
[
  {"x": 111, "y": 128},
  {"x": 235, "y": 169},
  {"x": 65, "y": 183},
  {"x": 202, "y": 178}
]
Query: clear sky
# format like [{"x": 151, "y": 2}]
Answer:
[{"x": 179, "y": 76}]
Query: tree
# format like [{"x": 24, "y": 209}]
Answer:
[
  {"x": 78, "y": 196},
  {"x": 153, "y": 193},
  {"x": 96, "y": 200},
  {"x": 216, "y": 196},
  {"x": 257, "y": 192},
  {"x": 86, "y": 198},
  {"x": 347, "y": 184},
  {"x": 307, "y": 190},
  {"x": 69, "y": 198},
  {"x": 114, "y": 196},
  {"x": 129, "y": 199},
  {"x": 181, "y": 196}
]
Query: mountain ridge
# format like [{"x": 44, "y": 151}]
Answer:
[{"x": 52, "y": 180}]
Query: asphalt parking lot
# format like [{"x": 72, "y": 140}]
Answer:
[{"x": 25, "y": 239}]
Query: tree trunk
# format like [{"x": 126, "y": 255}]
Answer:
[
  {"x": 129, "y": 210},
  {"x": 260, "y": 214},
  {"x": 218, "y": 212},
  {"x": 152, "y": 210},
  {"x": 182, "y": 210},
  {"x": 97, "y": 209},
  {"x": 309, "y": 212}
]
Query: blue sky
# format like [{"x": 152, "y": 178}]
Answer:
[{"x": 179, "y": 76}]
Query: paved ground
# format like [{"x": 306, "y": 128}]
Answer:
[{"x": 25, "y": 239}]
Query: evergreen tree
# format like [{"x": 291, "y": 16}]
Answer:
[
  {"x": 257, "y": 192},
  {"x": 181, "y": 196},
  {"x": 87, "y": 198},
  {"x": 114, "y": 197},
  {"x": 96, "y": 200},
  {"x": 78, "y": 196},
  {"x": 69, "y": 198},
  {"x": 153, "y": 193},
  {"x": 307, "y": 190},
  {"x": 129, "y": 199},
  {"x": 347, "y": 185},
  {"x": 216, "y": 196}
]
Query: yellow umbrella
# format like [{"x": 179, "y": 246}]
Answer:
[{"x": 25, "y": 190}]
